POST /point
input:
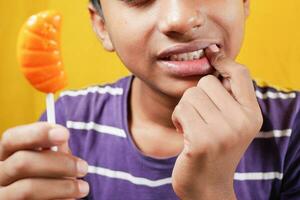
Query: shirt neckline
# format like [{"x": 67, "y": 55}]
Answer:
[{"x": 159, "y": 163}]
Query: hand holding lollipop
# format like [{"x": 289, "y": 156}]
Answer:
[{"x": 28, "y": 170}]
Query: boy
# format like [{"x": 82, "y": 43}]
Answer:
[{"x": 187, "y": 124}]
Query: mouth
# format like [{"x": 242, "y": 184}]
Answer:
[
  {"x": 187, "y": 59},
  {"x": 186, "y": 52},
  {"x": 195, "y": 55}
]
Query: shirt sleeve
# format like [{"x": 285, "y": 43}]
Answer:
[{"x": 290, "y": 189}]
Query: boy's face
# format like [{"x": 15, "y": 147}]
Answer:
[{"x": 149, "y": 35}]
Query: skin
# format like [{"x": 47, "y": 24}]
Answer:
[
  {"x": 29, "y": 170},
  {"x": 207, "y": 121}
]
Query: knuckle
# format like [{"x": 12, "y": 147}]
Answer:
[
  {"x": 19, "y": 164},
  {"x": 190, "y": 93},
  {"x": 206, "y": 80},
  {"x": 7, "y": 133},
  {"x": 179, "y": 111},
  {"x": 174, "y": 116},
  {"x": 193, "y": 93},
  {"x": 181, "y": 106},
  {"x": 6, "y": 141},
  {"x": 175, "y": 113},
  {"x": 38, "y": 130}
]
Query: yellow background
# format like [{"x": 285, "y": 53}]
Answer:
[{"x": 271, "y": 51}]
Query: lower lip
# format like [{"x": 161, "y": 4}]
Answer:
[{"x": 187, "y": 68}]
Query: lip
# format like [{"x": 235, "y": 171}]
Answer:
[
  {"x": 199, "y": 67},
  {"x": 185, "y": 48}
]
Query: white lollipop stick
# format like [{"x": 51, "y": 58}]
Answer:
[{"x": 51, "y": 112}]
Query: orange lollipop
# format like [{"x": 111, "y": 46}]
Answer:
[
  {"x": 39, "y": 54},
  {"x": 38, "y": 51}
]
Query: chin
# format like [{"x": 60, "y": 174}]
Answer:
[{"x": 175, "y": 87}]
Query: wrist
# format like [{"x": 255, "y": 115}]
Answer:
[{"x": 211, "y": 193}]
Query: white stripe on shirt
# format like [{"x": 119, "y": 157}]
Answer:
[
  {"x": 97, "y": 127},
  {"x": 275, "y": 134},
  {"x": 257, "y": 176},
  {"x": 247, "y": 176},
  {"x": 96, "y": 89},
  {"x": 128, "y": 177},
  {"x": 275, "y": 95},
  {"x": 121, "y": 133}
]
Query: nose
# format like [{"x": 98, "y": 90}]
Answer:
[{"x": 180, "y": 17}]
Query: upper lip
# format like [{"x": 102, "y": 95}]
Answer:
[{"x": 185, "y": 48}]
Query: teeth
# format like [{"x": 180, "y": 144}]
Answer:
[
  {"x": 195, "y": 55},
  {"x": 183, "y": 56},
  {"x": 174, "y": 58}
]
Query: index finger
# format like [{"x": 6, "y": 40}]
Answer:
[
  {"x": 236, "y": 74},
  {"x": 32, "y": 137}
]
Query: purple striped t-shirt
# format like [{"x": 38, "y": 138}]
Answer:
[{"x": 97, "y": 120}]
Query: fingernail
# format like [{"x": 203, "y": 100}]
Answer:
[
  {"x": 57, "y": 135},
  {"x": 82, "y": 168},
  {"x": 214, "y": 48},
  {"x": 83, "y": 187}
]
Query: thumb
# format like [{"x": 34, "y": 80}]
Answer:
[
  {"x": 62, "y": 136},
  {"x": 224, "y": 65}
]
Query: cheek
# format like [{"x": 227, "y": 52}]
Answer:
[
  {"x": 232, "y": 25},
  {"x": 130, "y": 42}
]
